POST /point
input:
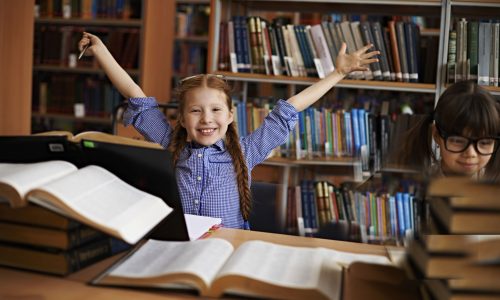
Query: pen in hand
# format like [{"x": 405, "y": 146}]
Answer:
[{"x": 83, "y": 51}]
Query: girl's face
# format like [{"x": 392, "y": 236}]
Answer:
[
  {"x": 466, "y": 163},
  {"x": 206, "y": 115}
]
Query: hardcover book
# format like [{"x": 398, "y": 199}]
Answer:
[{"x": 212, "y": 267}]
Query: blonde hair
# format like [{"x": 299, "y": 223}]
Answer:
[{"x": 179, "y": 137}]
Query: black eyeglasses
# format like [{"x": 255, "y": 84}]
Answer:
[
  {"x": 220, "y": 76},
  {"x": 458, "y": 143}
]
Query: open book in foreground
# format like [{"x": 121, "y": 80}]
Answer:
[
  {"x": 91, "y": 195},
  {"x": 257, "y": 269}
]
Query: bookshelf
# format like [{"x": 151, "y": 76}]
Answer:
[
  {"x": 191, "y": 38},
  {"x": 138, "y": 33},
  {"x": 471, "y": 12},
  {"x": 333, "y": 167}
]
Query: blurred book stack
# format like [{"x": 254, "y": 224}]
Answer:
[{"x": 459, "y": 255}]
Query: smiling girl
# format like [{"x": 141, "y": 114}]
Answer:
[{"x": 213, "y": 165}]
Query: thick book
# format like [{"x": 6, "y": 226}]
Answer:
[
  {"x": 437, "y": 265},
  {"x": 466, "y": 221},
  {"x": 257, "y": 268},
  {"x": 35, "y": 216},
  {"x": 59, "y": 262},
  {"x": 47, "y": 237},
  {"x": 91, "y": 195},
  {"x": 465, "y": 193}
]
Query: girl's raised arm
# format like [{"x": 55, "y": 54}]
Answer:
[
  {"x": 345, "y": 63},
  {"x": 120, "y": 79}
]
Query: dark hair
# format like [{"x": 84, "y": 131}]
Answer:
[
  {"x": 463, "y": 107},
  {"x": 179, "y": 137}
]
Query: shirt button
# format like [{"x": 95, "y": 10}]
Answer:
[
  {"x": 199, "y": 178},
  {"x": 196, "y": 201},
  {"x": 200, "y": 155}
]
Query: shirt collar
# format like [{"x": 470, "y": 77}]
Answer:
[{"x": 219, "y": 145}]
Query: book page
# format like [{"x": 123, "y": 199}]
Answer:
[
  {"x": 156, "y": 258},
  {"x": 286, "y": 266},
  {"x": 24, "y": 177},
  {"x": 100, "y": 199},
  {"x": 346, "y": 258},
  {"x": 197, "y": 226}
]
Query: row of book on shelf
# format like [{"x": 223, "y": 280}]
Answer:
[
  {"x": 190, "y": 58},
  {"x": 58, "y": 45},
  {"x": 334, "y": 132},
  {"x": 191, "y": 19},
  {"x": 252, "y": 44},
  {"x": 473, "y": 52},
  {"x": 377, "y": 216},
  {"x": 56, "y": 93},
  {"x": 88, "y": 9}
]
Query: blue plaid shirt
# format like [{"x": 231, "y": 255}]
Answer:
[{"x": 205, "y": 175}]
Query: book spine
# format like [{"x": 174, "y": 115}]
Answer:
[
  {"x": 472, "y": 48},
  {"x": 380, "y": 45},
  {"x": 484, "y": 54},
  {"x": 395, "y": 50},
  {"x": 402, "y": 50},
  {"x": 368, "y": 39}
]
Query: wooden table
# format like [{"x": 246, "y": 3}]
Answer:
[{"x": 23, "y": 285}]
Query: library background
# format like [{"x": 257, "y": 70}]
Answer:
[{"x": 334, "y": 177}]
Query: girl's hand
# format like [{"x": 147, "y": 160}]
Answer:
[
  {"x": 356, "y": 61},
  {"x": 90, "y": 43}
]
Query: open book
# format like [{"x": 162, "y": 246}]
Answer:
[
  {"x": 101, "y": 137},
  {"x": 91, "y": 195},
  {"x": 258, "y": 269}
]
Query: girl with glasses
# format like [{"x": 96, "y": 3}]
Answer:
[
  {"x": 213, "y": 164},
  {"x": 465, "y": 126}
]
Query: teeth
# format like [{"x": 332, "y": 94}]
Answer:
[{"x": 206, "y": 130}]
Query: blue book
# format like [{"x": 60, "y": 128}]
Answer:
[
  {"x": 362, "y": 127},
  {"x": 356, "y": 130},
  {"x": 401, "y": 215},
  {"x": 393, "y": 215},
  {"x": 312, "y": 199},
  {"x": 306, "y": 214},
  {"x": 407, "y": 210}
]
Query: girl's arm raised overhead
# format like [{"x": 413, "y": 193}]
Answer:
[
  {"x": 120, "y": 79},
  {"x": 345, "y": 63}
]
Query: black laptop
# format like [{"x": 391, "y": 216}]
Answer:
[{"x": 150, "y": 170}]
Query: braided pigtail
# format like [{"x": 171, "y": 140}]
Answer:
[{"x": 240, "y": 167}]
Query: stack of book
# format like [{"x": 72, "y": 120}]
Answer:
[
  {"x": 461, "y": 206},
  {"x": 34, "y": 238},
  {"x": 56, "y": 218},
  {"x": 454, "y": 266},
  {"x": 459, "y": 258}
]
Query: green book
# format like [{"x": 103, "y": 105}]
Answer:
[{"x": 472, "y": 48}]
